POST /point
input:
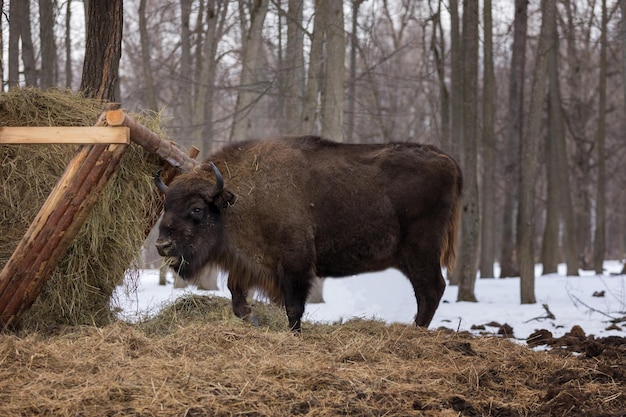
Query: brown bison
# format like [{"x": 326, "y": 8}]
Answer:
[{"x": 278, "y": 212}]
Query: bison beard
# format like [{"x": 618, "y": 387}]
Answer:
[{"x": 292, "y": 208}]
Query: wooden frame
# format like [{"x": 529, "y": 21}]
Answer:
[{"x": 76, "y": 135}]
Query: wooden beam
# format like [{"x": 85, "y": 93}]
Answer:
[
  {"x": 141, "y": 135},
  {"x": 76, "y": 135}
]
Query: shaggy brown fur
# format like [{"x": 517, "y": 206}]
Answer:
[{"x": 298, "y": 207}]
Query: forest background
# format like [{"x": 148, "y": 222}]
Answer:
[{"x": 529, "y": 97}]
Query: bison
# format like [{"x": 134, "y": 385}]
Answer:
[{"x": 276, "y": 213}]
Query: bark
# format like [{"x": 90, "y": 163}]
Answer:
[
  {"x": 354, "y": 45},
  {"x": 310, "y": 115},
  {"x": 1, "y": 49},
  {"x": 14, "y": 45},
  {"x": 49, "y": 71},
  {"x": 150, "y": 141},
  {"x": 488, "y": 198},
  {"x": 578, "y": 115},
  {"x": 550, "y": 240},
  {"x": 456, "y": 107},
  {"x": 250, "y": 66},
  {"x": 186, "y": 68},
  {"x": 68, "y": 45},
  {"x": 28, "y": 50},
  {"x": 557, "y": 134},
  {"x": 599, "y": 239},
  {"x": 334, "y": 75},
  {"x": 103, "y": 49},
  {"x": 530, "y": 144},
  {"x": 438, "y": 47},
  {"x": 470, "y": 221},
  {"x": 508, "y": 259},
  {"x": 150, "y": 94},
  {"x": 294, "y": 69}
]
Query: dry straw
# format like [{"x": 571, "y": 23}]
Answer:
[{"x": 79, "y": 289}]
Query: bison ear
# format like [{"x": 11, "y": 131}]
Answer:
[{"x": 225, "y": 199}]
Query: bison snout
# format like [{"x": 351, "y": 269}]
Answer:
[{"x": 164, "y": 246}]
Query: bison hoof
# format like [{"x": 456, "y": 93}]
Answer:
[{"x": 252, "y": 319}]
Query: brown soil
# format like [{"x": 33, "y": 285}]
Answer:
[{"x": 197, "y": 360}]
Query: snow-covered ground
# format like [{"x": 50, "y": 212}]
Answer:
[{"x": 388, "y": 296}]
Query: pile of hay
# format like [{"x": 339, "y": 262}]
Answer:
[
  {"x": 79, "y": 290},
  {"x": 194, "y": 363}
]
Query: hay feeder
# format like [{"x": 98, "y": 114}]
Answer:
[{"x": 72, "y": 198}]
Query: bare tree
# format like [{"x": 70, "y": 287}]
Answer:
[
  {"x": 514, "y": 131},
  {"x": 599, "y": 240},
  {"x": 354, "y": 46},
  {"x": 149, "y": 87},
  {"x": 49, "y": 70},
  {"x": 488, "y": 150},
  {"x": 559, "y": 198},
  {"x": 103, "y": 49},
  {"x": 68, "y": 45},
  {"x": 334, "y": 74},
  {"x": 20, "y": 33},
  {"x": 294, "y": 68},
  {"x": 530, "y": 145},
  {"x": 471, "y": 216},
  {"x": 250, "y": 65}
]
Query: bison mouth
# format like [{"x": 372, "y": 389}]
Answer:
[{"x": 177, "y": 263}]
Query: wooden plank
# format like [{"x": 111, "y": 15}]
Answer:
[{"x": 76, "y": 135}]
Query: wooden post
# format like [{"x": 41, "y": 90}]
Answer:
[
  {"x": 150, "y": 141},
  {"x": 54, "y": 228}
]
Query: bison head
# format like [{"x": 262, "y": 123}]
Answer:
[{"x": 191, "y": 230}]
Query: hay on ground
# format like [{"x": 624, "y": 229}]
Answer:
[
  {"x": 363, "y": 368},
  {"x": 79, "y": 289}
]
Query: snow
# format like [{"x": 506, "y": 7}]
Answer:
[{"x": 388, "y": 296}]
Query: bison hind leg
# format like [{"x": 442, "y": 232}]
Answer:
[
  {"x": 296, "y": 290},
  {"x": 428, "y": 284}
]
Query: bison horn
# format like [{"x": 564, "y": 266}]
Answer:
[
  {"x": 159, "y": 182},
  {"x": 219, "y": 181}
]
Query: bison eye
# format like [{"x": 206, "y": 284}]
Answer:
[{"x": 197, "y": 213}]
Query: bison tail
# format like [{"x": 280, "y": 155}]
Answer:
[{"x": 448, "y": 254}]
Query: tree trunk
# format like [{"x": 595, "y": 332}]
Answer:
[
  {"x": 250, "y": 66},
  {"x": 310, "y": 114},
  {"x": 68, "y": 45},
  {"x": 354, "y": 45},
  {"x": 294, "y": 69},
  {"x": 487, "y": 239},
  {"x": 334, "y": 74},
  {"x": 1, "y": 49},
  {"x": 150, "y": 95},
  {"x": 186, "y": 66},
  {"x": 28, "y": 50},
  {"x": 438, "y": 46},
  {"x": 456, "y": 107},
  {"x": 530, "y": 153},
  {"x": 48, "y": 76},
  {"x": 14, "y": 45},
  {"x": 103, "y": 49},
  {"x": 599, "y": 239},
  {"x": 550, "y": 241},
  {"x": 470, "y": 220},
  {"x": 508, "y": 259}
]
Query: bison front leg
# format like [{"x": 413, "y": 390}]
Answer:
[{"x": 241, "y": 308}]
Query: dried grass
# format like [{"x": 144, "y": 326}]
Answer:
[
  {"x": 79, "y": 289},
  {"x": 196, "y": 363}
]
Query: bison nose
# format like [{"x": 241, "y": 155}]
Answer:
[{"x": 163, "y": 246}]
